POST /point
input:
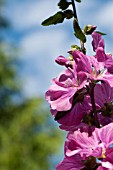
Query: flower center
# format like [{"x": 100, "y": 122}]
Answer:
[
  {"x": 103, "y": 153},
  {"x": 99, "y": 73}
]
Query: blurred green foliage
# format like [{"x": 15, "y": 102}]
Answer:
[{"x": 28, "y": 137}]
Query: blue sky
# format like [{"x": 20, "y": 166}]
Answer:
[{"x": 39, "y": 46}]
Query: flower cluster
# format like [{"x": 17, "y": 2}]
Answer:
[
  {"x": 81, "y": 100},
  {"x": 84, "y": 152}
]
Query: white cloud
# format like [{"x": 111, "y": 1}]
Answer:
[
  {"x": 28, "y": 14},
  {"x": 39, "y": 50},
  {"x": 46, "y": 41}
]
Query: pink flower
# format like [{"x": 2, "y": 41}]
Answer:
[
  {"x": 99, "y": 147},
  {"x": 64, "y": 61},
  {"x": 106, "y": 58},
  {"x": 98, "y": 46},
  {"x": 94, "y": 69},
  {"x": 74, "y": 117},
  {"x": 104, "y": 98},
  {"x": 97, "y": 41},
  {"x": 71, "y": 163},
  {"x": 82, "y": 144},
  {"x": 61, "y": 92},
  {"x": 103, "y": 94}
]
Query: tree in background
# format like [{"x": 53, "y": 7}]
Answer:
[{"x": 26, "y": 140}]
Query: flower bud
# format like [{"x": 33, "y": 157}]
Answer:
[
  {"x": 61, "y": 60},
  {"x": 88, "y": 29}
]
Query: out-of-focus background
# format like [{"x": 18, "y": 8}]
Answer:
[{"x": 29, "y": 137}]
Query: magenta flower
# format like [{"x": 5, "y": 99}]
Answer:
[
  {"x": 98, "y": 147},
  {"x": 94, "y": 69},
  {"x": 106, "y": 58},
  {"x": 61, "y": 92},
  {"x": 98, "y": 46},
  {"x": 64, "y": 61},
  {"x": 82, "y": 144},
  {"x": 103, "y": 94},
  {"x": 74, "y": 117},
  {"x": 104, "y": 102},
  {"x": 71, "y": 163},
  {"x": 97, "y": 41}
]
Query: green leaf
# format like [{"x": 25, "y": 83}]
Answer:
[
  {"x": 78, "y": 32},
  {"x": 101, "y": 33},
  {"x": 68, "y": 14},
  {"x": 63, "y": 4},
  {"x": 78, "y": 1},
  {"x": 55, "y": 19}
]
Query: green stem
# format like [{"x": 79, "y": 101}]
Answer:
[
  {"x": 76, "y": 17},
  {"x": 74, "y": 10},
  {"x": 93, "y": 105}
]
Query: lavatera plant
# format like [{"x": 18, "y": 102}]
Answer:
[{"x": 81, "y": 98}]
